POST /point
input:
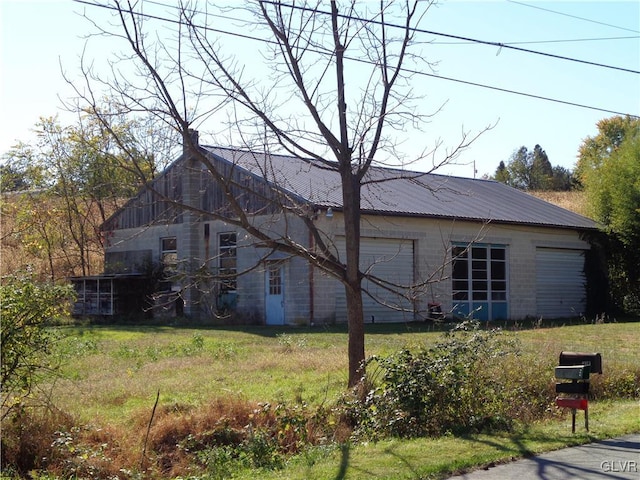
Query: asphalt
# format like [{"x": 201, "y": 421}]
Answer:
[{"x": 614, "y": 459}]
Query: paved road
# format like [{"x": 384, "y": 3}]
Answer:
[{"x": 615, "y": 459}]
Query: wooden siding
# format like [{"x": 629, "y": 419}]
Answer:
[
  {"x": 153, "y": 205},
  {"x": 161, "y": 203}
]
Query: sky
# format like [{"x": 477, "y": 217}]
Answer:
[{"x": 41, "y": 39}]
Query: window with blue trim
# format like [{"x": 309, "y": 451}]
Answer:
[{"x": 479, "y": 281}]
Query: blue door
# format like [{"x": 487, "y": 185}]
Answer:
[{"x": 274, "y": 293}]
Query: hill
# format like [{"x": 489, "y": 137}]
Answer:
[{"x": 574, "y": 200}]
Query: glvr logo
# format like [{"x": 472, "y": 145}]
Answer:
[{"x": 619, "y": 466}]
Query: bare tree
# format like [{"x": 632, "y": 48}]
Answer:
[{"x": 338, "y": 89}]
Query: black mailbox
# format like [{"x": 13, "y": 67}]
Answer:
[
  {"x": 576, "y": 367},
  {"x": 594, "y": 360},
  {"x": 578, "y": 388}
]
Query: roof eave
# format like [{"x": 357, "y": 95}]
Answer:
[{"x": 478, "y": 220}]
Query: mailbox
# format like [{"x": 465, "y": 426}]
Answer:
[
  {"x": 574, "y": 403},
  {"x": 575, "y": 388},
  {"x": 573, "y": 372},
  {"x": 594, "y": 360},
  {"x": 575, "y": 368}
]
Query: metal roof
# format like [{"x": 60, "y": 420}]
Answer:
[{"x": 409, "y": 193}]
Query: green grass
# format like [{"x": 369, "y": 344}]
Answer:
[
  {"x": 126, "y": 366},
  {"x": 441, "y": 457},
  {"x": 112, "y": 375},
  {"x": 111, "y": 370}
]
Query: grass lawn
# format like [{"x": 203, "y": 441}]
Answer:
[
  {"x": 441, "y": 457},
  {"x": 113, "y": 373}
]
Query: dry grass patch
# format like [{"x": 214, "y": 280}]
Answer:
[
  {"x": 574, "y": 200},
  {"x": 237, "y": 403}
]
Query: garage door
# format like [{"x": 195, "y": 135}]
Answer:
[
  {"x": 560, "y": 282},
  {"x": 390, "y": 259}
]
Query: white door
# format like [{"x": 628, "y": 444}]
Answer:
[
  {"x": 274, "y": 293},
  {"x": 560, "y": 282},
  {"x": 392, "y": 260}
]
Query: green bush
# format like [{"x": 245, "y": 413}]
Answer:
[
  {"x": 27, "y": 308},
  {"x": 616, "y": 383},
  {"x": 456, "y": 386},
  {"x": 259, "y": 450}
]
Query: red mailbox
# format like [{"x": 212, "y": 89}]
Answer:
[{"x": 575, "y": 403}]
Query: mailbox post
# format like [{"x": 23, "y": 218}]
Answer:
[{"x": 575, "y": 369}]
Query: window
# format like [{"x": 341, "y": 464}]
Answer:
[
  {"x": 169, "y": 255},
  {"x": 479, "y": 281},
  {"x": 275, "y": 279},
  {"x": 227, "y": 262}
]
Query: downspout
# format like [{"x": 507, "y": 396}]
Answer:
[{"x": 311, "y": 282}]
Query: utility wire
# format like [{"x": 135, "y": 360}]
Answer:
[
  {"x": 416, "y": 72},
  {"x": 573, "y": 16},
  {"x": 524, "y": 94},
  {"x": 567, "y": 40},
  {"x": 456, "y": 37},
  {"x": 500, "y": 45},
  {"x": 227, "y": 17}
]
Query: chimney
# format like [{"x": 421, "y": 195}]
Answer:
[
  {"x": 189, "y": 237},
  {"x": 190, "y": 137}
]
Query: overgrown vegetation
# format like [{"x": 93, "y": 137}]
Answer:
[
  {"x": 458, "y": 386},
  {"x": 458, "y": 382},
  {"x": 609, "y": 165},
  {"x": 26, "y": 307}
]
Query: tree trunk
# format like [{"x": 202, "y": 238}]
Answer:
[{"x": 353, "y": 284}]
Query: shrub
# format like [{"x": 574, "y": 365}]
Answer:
[
  {"x": 456, "y": 386},
  {"x": 232, "y": 434},
  {"x": 27, "y": 437},
  {"x": 26, "y": 308},
  {"x": 615, "y": 383}
]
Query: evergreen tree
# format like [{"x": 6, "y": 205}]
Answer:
[
  {"x": 502, "y": 174},
  {"x": 532, "y": 170}
]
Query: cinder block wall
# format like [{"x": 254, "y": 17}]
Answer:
[
  {"x": 432, "y": 243},
  {"x": 306, "y": 286}
]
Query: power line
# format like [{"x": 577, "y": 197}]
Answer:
[
  {"x": 524, "y": 94},
  {"x": 456, "y": 37},
  {"x": 534, "y": 42},
  {"x": 573, "y": 16},
  {"x": 500, "y": 45},
  {"x": 416, "y": 72}
]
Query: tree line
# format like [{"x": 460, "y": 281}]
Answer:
[
  {"x": 60, "y": 188},
  {"x": 608, "y": 172},
  {"x": 532, "y": 170},
  {"x": 608, "y": 169}
]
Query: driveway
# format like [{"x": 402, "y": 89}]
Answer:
[{"x": 614, "y": 459}]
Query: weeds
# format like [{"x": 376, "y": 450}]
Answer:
[
  {"x": 468, "y": 380},
  {"x": 455, "y": 386},
  {"x": 154, "y": 353},
  {"x": 289, "y": 343}
]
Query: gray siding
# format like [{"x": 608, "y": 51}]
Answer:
[
  {"x": 391, "y": 259},
  {"x": 560, "y": 283}
]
